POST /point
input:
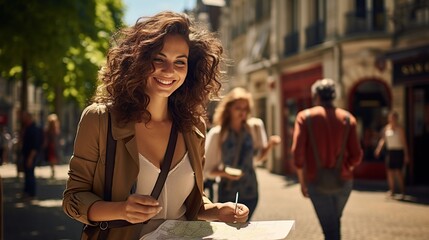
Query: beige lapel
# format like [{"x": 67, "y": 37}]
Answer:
[
  {"x": 193, "y": 152},
  {"x": 127, "y": 134}
]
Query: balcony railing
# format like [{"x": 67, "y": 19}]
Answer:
[
  {"x": 411, "y": 16},
  {"x": 370, "y": 21},
  {"x": 315, "y": 34},
  {"x": 291, "y": 43}
]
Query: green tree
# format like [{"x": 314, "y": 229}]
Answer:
[{"x": 58, "y": 45}]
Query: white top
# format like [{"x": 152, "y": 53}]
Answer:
[
  {"x": 178, "y": 185},
  {"x": 393, "y": 140},
  {"x": 213, "y": 149}
]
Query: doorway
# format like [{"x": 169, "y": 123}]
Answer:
[
  {"x": 418, "y": 133},
  {"x": 370, "y": 101}
]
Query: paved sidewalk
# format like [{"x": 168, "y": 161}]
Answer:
[
  {"x": 42, "y": 218},
  {"x": 368, "y": 215}
]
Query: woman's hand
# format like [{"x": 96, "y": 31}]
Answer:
[
  {"x": 233, "y": 177},
  {"x": 407, "y": 159},
  {"x": 229, "y": 213},
  {"x": 140, "y": 208},
  {"x": 274, "y": 140},
  {"x": 376, "y": 153}
]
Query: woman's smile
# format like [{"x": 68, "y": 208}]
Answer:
[
  {"x": 165, "y": 82},
  {"x": 170, "y": 67}
]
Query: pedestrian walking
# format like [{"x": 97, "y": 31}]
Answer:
[
  {"x": 154, "y": 89},
  {"x": 326, "y": 147},
  {"x": 32, "y": 140},
  {"x": 5, "y": 142},
  {"x": 397, "y": 157},
  {"x": 51, "y": 143},
  {"x": 233, "y": 147}
]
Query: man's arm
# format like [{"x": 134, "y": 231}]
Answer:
[
  {"x": 302, "y": 182},
  {"x": 31, "y": 157},
  {"x": 298, "y": 150},
  {"x": 353, "y": 147}
]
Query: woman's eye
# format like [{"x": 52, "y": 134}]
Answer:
[
  {"x": 181, "y": 63},
  {"x": 157, "y": 60}
]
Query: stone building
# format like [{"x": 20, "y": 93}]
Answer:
[{"x": 376, "y": 50}]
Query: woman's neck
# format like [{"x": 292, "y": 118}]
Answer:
[
  {"x": 327, "y": 104},
  {"x": 158, "y": 108},
  {"x": 236, "y": 125}
]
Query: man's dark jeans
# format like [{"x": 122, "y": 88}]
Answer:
[
  {"x": 329, "y": 209},
  {"x": 29, "y": 181}
]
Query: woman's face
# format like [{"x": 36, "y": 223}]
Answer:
[
  {"x": 239, "y": 110},
  {"x": 392, "y": 118},
  {"x": 171, "y": 67}
]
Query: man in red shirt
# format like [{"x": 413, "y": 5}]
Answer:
[{"x": 328, "y": 126}]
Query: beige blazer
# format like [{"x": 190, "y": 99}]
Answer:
[{"x": 86, "y": 174}]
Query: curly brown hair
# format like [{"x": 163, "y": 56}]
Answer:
[{"x": 130, "y": 62}]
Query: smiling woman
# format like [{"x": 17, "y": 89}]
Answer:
[
  {"x": 170, "y": 67},
  {"x": 151, "y": 103}
]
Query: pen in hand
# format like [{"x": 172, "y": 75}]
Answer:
[{"x": 236, "y": 203}]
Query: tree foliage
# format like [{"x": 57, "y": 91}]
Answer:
[{"x": 59, "y": 44}]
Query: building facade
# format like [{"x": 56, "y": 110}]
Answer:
[
  {"x": 10, "y": 105},
  {"x": 10, "y": 92},
  {"x": 376, "y": 50},
  {"x": 409, "y": 58}
]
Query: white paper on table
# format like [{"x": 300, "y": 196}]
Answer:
[{"x": 190, "y": 230}]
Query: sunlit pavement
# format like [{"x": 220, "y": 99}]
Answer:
[
  {"x": 368, "y": 214},
  {"x": 39, "y": 218}
]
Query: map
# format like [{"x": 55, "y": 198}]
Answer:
[{"x": 193, "y": 230}]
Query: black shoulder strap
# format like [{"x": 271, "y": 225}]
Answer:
[
  {"x": 108, "y": 176},
  {"x": 166, "y": 163},
  {"x": 110, "y": 161},
  {"x": 110, "y": 164},
  {"x": 312, "y": 139}
]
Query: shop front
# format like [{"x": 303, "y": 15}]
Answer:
[
  {"x": 411, "y": 70},
  {"x": 369, "y": 101},
  {"x": 296, "y": 96}
]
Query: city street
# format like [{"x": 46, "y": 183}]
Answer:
[
  {"x": 368, "y": 215},
  {"x": 42, "y": 218}
]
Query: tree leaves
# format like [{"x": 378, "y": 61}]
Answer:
[{"x": 63, "y": 42}]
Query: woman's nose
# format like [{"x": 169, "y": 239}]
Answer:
[{"x": 168, "y": 68}]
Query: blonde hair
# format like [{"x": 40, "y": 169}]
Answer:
[
  {"x": 222, "y": 115},
  {"x": 53, "y": 123}
]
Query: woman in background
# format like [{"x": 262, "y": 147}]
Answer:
[
  {"x": 233, "y": 147},
  {"x": 51, "y": 142},
  {"x": 393, "y": 135}
]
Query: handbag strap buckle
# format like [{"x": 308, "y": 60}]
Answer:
[{"x": 104, "y": 225}]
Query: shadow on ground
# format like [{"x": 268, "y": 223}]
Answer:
[
  {"x": 414, "y": 194},
  {"x": 40, "y": 218}
]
